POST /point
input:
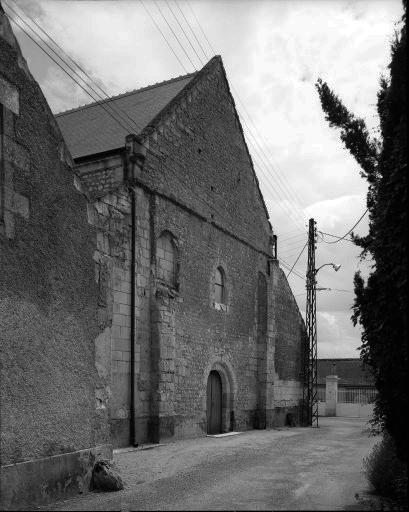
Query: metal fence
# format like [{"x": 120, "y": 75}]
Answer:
[
  {"x": 361, "y": 395},
  {"x": 321, "y": 392},
  {"x": 350, "y": 395}
]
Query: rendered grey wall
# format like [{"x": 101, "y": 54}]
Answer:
[{"x": 48, "y": 292}]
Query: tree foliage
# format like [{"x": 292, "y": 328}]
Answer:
[{"x": 380, "y": 304}]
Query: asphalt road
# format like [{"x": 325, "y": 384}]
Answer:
[{"x": 279, "y": 469}]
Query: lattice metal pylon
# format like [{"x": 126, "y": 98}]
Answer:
[{"x": 310, "y": 355}]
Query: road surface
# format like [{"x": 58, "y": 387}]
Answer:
[{"x": 280, "y": 469}]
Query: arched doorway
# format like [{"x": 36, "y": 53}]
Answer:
[{"x": 214, "y": 403}]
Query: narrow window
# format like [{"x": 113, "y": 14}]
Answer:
[
  {"x": 261, "y": 304},
  {"x": 219, "y": 286},
  {"x": 166, "y": 259}
]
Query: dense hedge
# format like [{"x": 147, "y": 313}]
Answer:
[{"x": 381, "y": 304}]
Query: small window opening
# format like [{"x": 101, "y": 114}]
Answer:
[{"x": 219, "y": 286}]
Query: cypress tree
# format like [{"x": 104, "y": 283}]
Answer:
[{"x": 380, "y": 304}]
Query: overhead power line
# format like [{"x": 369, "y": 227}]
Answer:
[
  {"x": 280, "y": 182},
  {"x": 288, "y": 267},
  {"x": 164, "y": 37},
  {"x": 326, "y": 289},
  {"x": 349, "y": 231},
  {"x": 334, "y": 236},
  {"x": 190, "y": 28},
  {"x": 174, "y": 34},
  {"x": 298, "y": 257},
  {"x": 122, "y": 115},
  {"x": 255, "y": 144},
  {"x": 291, "y": 237},
  {"x": 183, "y": 30},
  {"x": 61, "y": 67},
  {"x": 103, "y": 105}
]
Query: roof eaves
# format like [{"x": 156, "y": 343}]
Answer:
[{"x": 98, "y": 156}]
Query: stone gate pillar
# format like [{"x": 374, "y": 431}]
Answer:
[{"x": 331, "y": 394}]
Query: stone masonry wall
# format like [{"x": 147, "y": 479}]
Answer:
[
  {"x": 194, "y": 333},
  {"x": 198, "y": 155},
  {"x": 289, "y": 345},
  {"x": 207, "y": 207}
]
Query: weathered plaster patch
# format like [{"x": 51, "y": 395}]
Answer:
[{"x": 9, "y": 96}]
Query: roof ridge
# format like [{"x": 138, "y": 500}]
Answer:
[{"x": 128, "y": 93}]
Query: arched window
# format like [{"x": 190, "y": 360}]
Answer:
[
  {"x": 220, "y": 286},
  {"x": 166, "y": 259}
]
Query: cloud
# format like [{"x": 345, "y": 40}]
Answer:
[
  {"x": 336, "y": 336},
  {"x": 339, "y": 213},
  {"x": 273, "y": 52}
]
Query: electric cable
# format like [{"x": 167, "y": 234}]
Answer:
[
  {"x": 63, "y": 69},
  {"x": 288, "y": 266},
  {"x": 200, "y": 26},
  {"x": 347, "y": 233},
  {"x": 248, "y": 128},
  {"x": 126, "y": 128},
  {"x": 173, "y": 32},
  {"x": 291, "y": 237},
  {"x": 284, "y": 185},
  {"x": 334, "y": 236},
  {"x": 121, "y": 114},
  {"x": 255, "y": 139},
  {"x": 65, "y": 64},
  {"x": 302, "y": 250},
  {"x": 188, "y": 40},
  {"x": 164, "y": 37},
  {"x": 211, "y": 206},
  {"x": 265, "y": 174},
  {"x": 250, "y": 119},
  {"x": 191, "y": 30}
]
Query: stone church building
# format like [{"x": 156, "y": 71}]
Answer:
[
  {"x": 186, "y": 264},
  {"x": 141, "y": 298}
]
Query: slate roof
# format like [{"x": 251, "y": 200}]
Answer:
[
  {"x": 90, "y": 129},
  {"x": 350, "y": 372}
]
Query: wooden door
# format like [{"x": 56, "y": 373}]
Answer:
[{"x": 214, "y": 403}]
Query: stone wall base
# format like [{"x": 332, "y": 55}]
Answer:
[
  {"x": 278, "y": 416},
  {"x": 27, "y": 484}
]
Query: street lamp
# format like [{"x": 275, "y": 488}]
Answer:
[
  {"x": 311, "y": 281},
  {"x": 334, "y": 265}
]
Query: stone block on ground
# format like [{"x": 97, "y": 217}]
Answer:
[
  {"x": 105, "y": 477},
  {"x": 290, "y": 420}
]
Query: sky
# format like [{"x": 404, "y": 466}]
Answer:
[{"x": 273, "y": 52}]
